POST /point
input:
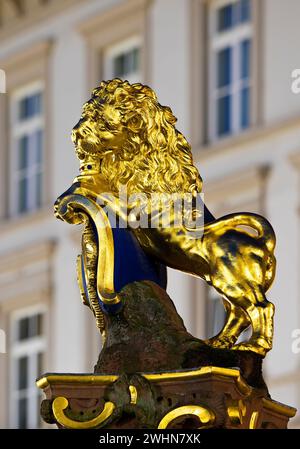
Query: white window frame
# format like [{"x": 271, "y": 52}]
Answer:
[
  {"x": 117, "y": 49},
  {"x": 17, "y": 130},
  {"x": 34, "y": 345},
  {"x": 218, "y": 41}
]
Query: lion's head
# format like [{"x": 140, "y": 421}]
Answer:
[{"x": 132, "y": 140}]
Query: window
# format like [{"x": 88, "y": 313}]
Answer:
[
  {"x": 123, "y": 61},
  {"x": 27, "y": 150},
  {"x": 27, "y": 352},
  {"x": 230, "y": 67},
  {"x": 215, "y": 313}
]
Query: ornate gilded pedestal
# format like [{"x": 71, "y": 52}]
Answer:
[
  {"x": 138, "y": 198},
  {"x": 210, "y": 397}
]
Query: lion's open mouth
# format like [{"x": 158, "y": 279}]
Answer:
[
  {"x": 91, "y": 148},
  {"x": 88, "y": 147}
]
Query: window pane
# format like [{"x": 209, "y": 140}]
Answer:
[
  {"x": 40, "y": 364},
  {"x": 126, "y": 63},
  {"x": 22, "y": 371},
  {"x": 135, "y": 59},
  {"x": 224, "y": 115},
  {"x": 30, "y": 327},
  {"x": 23, "y": 107},
  {"x": 35, "y": 326},
  {"x": 39, "y": 190},
  {"x": 30, "y": 106},
  {"x": 132, "y": 61},
  {"x": 245, "y": 58},
  {"x": 119, "y": 66},
  {"x": 245, "y": 107},
  {"x": 22, "y": 195},
  {"x": 38, "y": 103},
  {"x": 245, "y": 10},
  {"x": 22, "y": 413},
  {"x": 225, "y": 17},
  {"x": 224, "y": 65},
  {"x": 23, "y": 153},
  {"x": 40, "y": 324},
  {"x": 38, "y": 146},
  {"x": 23, "y": 329}
]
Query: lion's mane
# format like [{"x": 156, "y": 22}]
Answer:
[{"x": 155, "y": 157}]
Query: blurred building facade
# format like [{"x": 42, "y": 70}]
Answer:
[{"x": 225, "y": 69}]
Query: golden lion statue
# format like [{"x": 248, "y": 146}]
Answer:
[{"x": 126, "y": 138}]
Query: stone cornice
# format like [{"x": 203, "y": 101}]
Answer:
[
  {"x": 26, "y": 272},
  {"x": 17, "y": 15},
  {"x": 35, "y": 52},
  {"x": 10, "y": 225},
  {"x": 27, "y": 255},
  {"x": 249, "y": 180},
  {"x": 103, "y": 20},
  {"x": 242, "y": 141}
]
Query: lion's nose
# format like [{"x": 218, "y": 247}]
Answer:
[
  {"x": 56, "y": 207},
  {"x": 74, "y": 135}
]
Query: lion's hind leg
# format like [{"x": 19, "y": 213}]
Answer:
[
  {"x": 261, "y": 313},
  {"x": 236, "y": 322}
]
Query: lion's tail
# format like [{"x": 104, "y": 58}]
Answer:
[{"x": 260, "y": 224}]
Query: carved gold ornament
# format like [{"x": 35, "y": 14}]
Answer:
[
  {"x": 206, "y": 417},
  {"x": 59, "y": 406}
]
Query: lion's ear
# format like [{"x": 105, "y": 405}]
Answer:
[{"x": 134, "y": 121}]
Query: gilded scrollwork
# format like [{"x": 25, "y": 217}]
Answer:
[
  {"x": 205, "y": 415},
  {"x": 61, "y": 403}
]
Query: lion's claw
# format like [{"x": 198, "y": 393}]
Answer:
[
  {"x": 260, "y": 346},
  {"x": 224, "y": 343}
]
